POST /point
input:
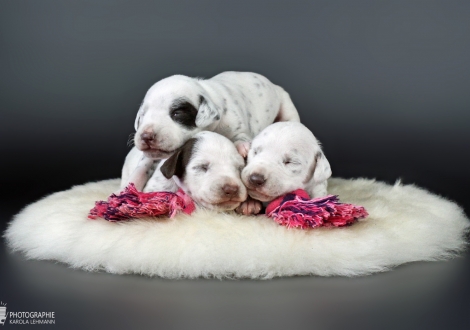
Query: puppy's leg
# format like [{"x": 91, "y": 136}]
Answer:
[
  {"x": 242, "y": 142},
  {"x": 287, "y": 112},
  {"x": 243, "y": 147},
  {"x": 158, "y": 182},
  {"x": 142, "y": 172},
  {"x": 250, "y": 206}
]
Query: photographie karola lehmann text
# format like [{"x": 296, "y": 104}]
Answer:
[{"x": 31, "y": 317}]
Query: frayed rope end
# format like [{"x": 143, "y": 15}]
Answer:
[
  {"x": 296, "y": 210},
  {"x": 131, "y": 203}
]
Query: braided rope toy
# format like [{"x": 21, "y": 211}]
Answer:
[
  {"x": 131, "y": 203},
  {"x": 293, "y": 210},
  {"x": 297, "y": 210}
]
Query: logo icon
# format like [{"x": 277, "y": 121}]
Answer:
[{"x": 3, "y": 313}]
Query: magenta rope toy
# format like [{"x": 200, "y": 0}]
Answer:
[
  {"x": 131, "y": 203},
  {"x": 297, "y": 210},
  {"x": 293, "y": 210}
]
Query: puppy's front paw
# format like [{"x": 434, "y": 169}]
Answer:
[
  {"x": 243, "y": 148},
  {"x": 250, "y": 206}
]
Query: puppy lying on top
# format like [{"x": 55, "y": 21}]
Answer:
[
  {"x": 207, "y": 168},
  {"x": 237, "y": 105},
  {"x": 284, "y": 157}
]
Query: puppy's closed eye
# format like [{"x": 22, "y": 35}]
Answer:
[
  {"x": 290, "y": 161},
  {"x": 202, "y": 167}
]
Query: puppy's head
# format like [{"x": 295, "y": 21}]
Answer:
[
  {"x": 173, "y": 110},
  {"x": 208, "y": 168},
  {"x": 284, "y": 157}
]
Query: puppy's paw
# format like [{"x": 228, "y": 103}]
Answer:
[
  {"x": 243, "y": 148},
  {"x": 250, "y": 206}
]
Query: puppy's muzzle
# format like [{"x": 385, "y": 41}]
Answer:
[
  {"x": 230, "y": 190},
  {"x": 256, "y": 180},
  {"x": 228, "y": 193},
  {"x": 151, "y": 144},
  {"x": 148, "y": 138}
]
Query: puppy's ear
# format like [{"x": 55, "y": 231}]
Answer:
[
  {"x": 176, "y": 164},
  {"x": 320, "y": 169},
  {"x": 172, "y": 166},
  {"x": 207, "y": 113},
  {"x": 138, "y": 118}
]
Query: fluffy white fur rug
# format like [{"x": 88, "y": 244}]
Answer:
[{"x": 406, "y": 224}]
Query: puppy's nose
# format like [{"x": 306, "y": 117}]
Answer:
[
  {"x": 230, "y": 190},
  {"x": 147, "y": 137},
  {"x": 257, "y": 179}
]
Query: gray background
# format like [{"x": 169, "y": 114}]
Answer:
[{"x": 383, "y": 84}]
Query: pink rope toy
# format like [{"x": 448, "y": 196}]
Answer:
[
  {"x": 297, "y": 210},
  {"x": 131, "y": 203},
  {"x": 293, "y": 210}
]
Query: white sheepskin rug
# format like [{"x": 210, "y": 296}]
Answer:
[{"x": 405, "y": 224}]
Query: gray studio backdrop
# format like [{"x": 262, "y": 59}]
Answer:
[{"x": 383, "y": 84}]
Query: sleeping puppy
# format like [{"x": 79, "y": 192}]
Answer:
[
  {"x": 237, "y": 105},
  {"x": 207, "y": 167},
  {"x": 284, "y": 157}
]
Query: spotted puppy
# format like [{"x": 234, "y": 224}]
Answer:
[
  {"x": 207, "y": 167},
  {"x": 237, "y": 105},
  {"x": 284, "y": 157}
]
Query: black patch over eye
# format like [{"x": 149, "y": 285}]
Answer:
[{"x": 184, "y": 113}]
